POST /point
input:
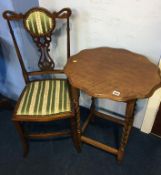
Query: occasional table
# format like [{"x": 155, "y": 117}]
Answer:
[{"x": 115, "y": 74}]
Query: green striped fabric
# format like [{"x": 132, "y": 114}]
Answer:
[
  {"x": 39, "y": 23},
  {"x": 44, "y": 98}
]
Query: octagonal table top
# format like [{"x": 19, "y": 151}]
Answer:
[{"x": 116, "y": 74}]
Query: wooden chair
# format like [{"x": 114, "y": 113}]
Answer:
[{"x": 45, "y": 100}]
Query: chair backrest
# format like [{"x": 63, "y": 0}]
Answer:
[{"x": 40, "y": 23}]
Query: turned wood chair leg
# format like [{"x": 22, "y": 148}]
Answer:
[
  {"x": 126, "y": 129},
  {"x": 22, "y": 137}
]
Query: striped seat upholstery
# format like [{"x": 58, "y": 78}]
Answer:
[
  {"x": 44, "y": 98},
  {"x": 39, "y": 23}
]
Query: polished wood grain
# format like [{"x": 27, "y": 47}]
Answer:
[{"x": 101, "y": 71}]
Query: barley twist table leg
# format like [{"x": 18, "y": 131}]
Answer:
[
  {"x": 75, "y": 97},
  {"x": 127, "y": 128},
  {"x": 90, "y": 116}
]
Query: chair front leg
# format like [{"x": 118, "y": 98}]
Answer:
[{"x": 22, "y": 137}]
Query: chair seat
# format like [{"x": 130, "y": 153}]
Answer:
[{"x": 45, "y": 97}]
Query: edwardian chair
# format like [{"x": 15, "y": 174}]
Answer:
[{"x": 44, "y": 100}]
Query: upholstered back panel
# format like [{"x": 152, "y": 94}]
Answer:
[{"x": 39, "y": 22}]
